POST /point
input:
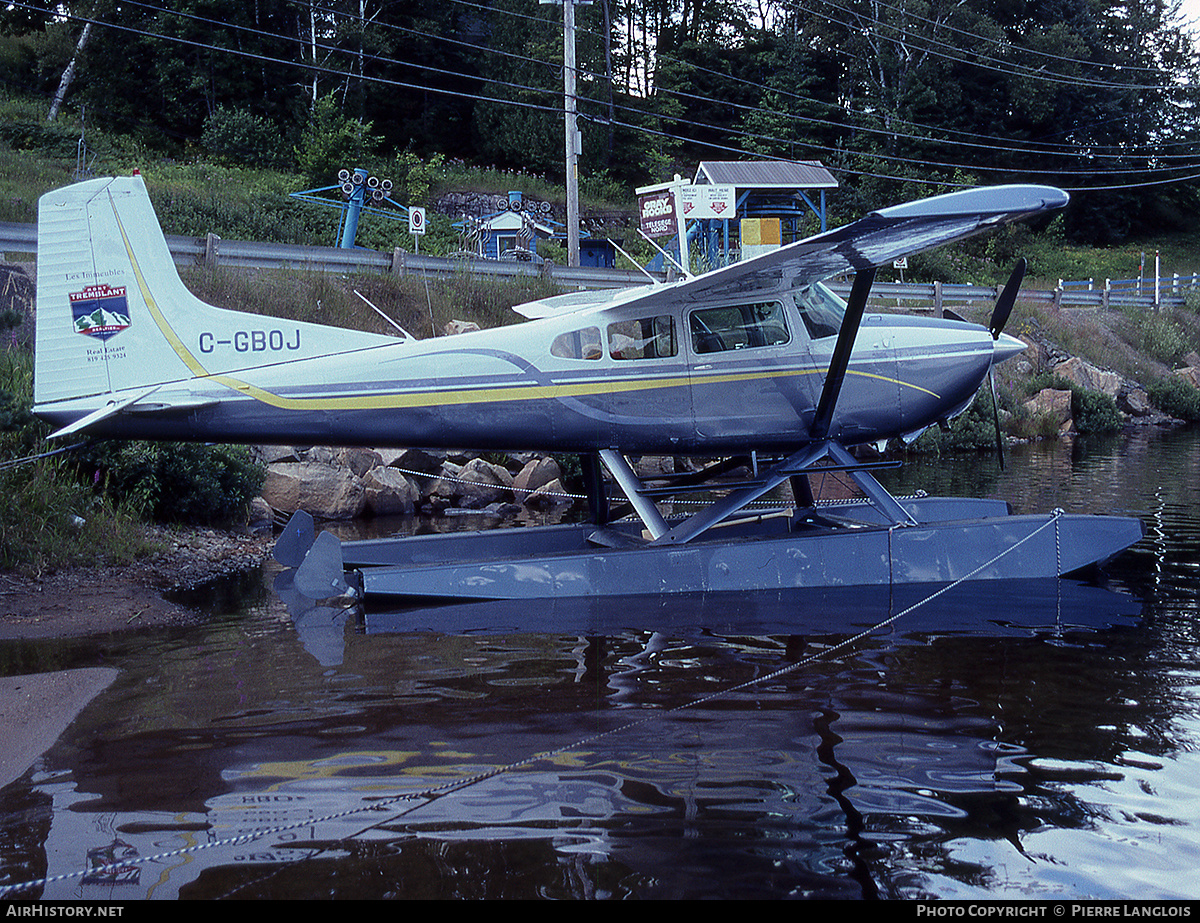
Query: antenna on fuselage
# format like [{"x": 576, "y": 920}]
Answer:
[{"x": 403, "y": 332}]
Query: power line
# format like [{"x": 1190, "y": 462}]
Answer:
[{"x": 312, "y": 67}]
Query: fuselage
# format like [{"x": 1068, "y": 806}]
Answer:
[{"x": 655, "y": 376}]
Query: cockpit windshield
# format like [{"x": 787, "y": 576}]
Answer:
[{"x": 821, "y": 310}]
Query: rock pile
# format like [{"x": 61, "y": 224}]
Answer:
[
  {"x": 1055, "y": 403},
  {"x": 346, "y": 483}
]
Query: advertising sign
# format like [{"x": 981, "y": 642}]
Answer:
[{"x": 656, "y": 214}]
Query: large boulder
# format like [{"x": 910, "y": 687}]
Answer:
[
  {"x": 548, "y": 497},
  {"x": 537, "y": 472},
  {"x": 473, "y": 485},
  {"x": 1135, "y": 402},
  {"x": 389, "y": 492},
  {"x": 455, "y": 327},
  {"x": 1052, "y": 403},
  {"x": 1191, "y": 375},
  {"x": 325, "y": 491},
  {"x": 1089, "y": 377}
]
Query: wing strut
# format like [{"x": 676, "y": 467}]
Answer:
[{"x": 863, "y": 280}]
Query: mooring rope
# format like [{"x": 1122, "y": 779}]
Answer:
[
  {"x": 17, "y": 462},
  {"x": 675, "y": 501},
  {"x": 428, "y": 795}
]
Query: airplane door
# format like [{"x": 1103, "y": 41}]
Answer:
[
  {"x": 870, "y": 399},
  {"x": 742, "y": 356}
]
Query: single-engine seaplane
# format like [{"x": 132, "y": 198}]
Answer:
[{"x": 757, "y": 364}]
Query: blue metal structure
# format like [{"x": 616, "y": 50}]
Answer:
[
  {"x": 362, "y": 192},
  {"x": 768, "y": 189}
]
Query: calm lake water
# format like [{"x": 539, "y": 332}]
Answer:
[{"x": 1032, "y": 741}]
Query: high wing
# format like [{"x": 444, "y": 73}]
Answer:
[{"x": 872, "y": 241}]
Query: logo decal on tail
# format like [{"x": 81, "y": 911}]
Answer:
[{"x": 100, "y": 311}]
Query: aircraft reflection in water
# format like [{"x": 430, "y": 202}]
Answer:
[
  {"x": 757, "y": 363},
  {"x": 751, "y": 796}
]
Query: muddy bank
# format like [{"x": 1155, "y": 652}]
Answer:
[{"x": 100, "y": 600}]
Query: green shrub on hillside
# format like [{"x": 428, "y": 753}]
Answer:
[
  {"x": 48, "y": 519},
  {"x": 238, "y": 138},
  {"x": 331, "y": 142},
  {"x": 1158, "y": 334},
  {"x": 974, "y": 428},
  {"x": 1174, "y": 396}
]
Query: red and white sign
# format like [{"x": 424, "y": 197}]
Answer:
[
  {"x": 708, "y": 201},
  {"x": 656, "y": 214},
  {"x": 416, "y": 220}
]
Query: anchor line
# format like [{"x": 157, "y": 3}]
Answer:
[
  {"x": 757, "y": 504},
  {"x": 17, "y": 462},
  {"x": 428, "y": 795}
]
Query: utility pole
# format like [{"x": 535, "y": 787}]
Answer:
[{"x": 570, "y": 114}]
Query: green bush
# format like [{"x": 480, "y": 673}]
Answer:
[
  {"x": 1176, "y": 397},
  {"x": 1094, "y": 412},
  {"x": 237, "y": 138},
  {"x": 973, "y": 429},
  {"x": 1158, "y": 334},
  {"x": 48, "y": 519},
  {"x": 175, "y": 481},
  {"x": 331, "y": 142}
]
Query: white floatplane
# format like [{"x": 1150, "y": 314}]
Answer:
[{"x": 758, "y": 364}]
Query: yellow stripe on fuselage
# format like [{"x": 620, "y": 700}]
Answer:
[{"x": 451, "y": 396}]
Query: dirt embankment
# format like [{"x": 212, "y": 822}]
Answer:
[{"x": 99, "y": 600}]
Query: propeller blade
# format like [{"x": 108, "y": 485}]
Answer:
[
  {"x": 996, "y": 419},
  {"x": 863, "y": 280},
  {"x": 1008, "y": 297}
]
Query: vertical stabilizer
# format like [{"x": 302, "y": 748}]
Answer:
[{"x": 113, "y": 315}]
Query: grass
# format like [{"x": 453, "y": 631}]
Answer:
[{"x": 48, "y": 520}]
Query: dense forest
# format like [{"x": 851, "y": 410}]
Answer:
[{"x": 898, "y": 98}]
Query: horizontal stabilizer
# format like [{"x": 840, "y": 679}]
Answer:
[{"x": 108, "y": 410}]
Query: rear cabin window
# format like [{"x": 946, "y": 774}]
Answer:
[
  {"x": 643, "y": 338},
  {"x": 578, "y": 344},
  {"x": 739, "y": 326}
]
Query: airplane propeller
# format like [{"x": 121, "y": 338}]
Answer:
[
  {"x": 1000, "y": 314},
  {"x": 1008, "y": 297}
]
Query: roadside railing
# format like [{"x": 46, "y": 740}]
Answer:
[{"x": 934, "y": 296}]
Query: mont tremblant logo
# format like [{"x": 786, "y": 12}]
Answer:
[{"x": 100, "y": 311}]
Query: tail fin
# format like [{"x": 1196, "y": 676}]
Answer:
[{"x": 114, "y": 318}]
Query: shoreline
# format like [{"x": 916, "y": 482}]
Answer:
[{"x": 83, "y": 601}]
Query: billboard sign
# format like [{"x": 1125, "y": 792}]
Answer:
[{"x": 656, "y": 214}]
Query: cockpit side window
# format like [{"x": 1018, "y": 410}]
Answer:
[
  {"x": 643, "y": 338},
  {"x": 739, "y": 326},
  {"x": 578, "y": 344},
  {"x": 821, "y": 310}
]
